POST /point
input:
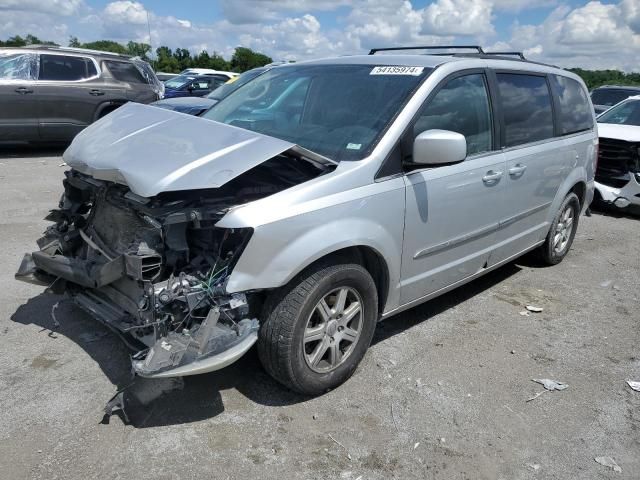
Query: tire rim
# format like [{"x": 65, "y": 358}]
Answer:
[
  {"x": 563, "y": 230},
  {"x": 333, "y": 329}
]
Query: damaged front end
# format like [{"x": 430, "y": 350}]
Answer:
[
  {"x": 154, "y": 269},
  {"x": 618, "y": 174}
]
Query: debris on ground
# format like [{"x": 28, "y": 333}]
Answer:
[
  {"x": 550, "y": 384},
  {"x": 56, "y": 323},
  {"x": 338, "y": 443},
  {"x": 534, "y": 309},
  {"x": 634, "y": 385},
  {"x": 525, "y": 313},
  {"x": 116, "y": 404},
  {"x": 91, "y": 337},
  {"x": 606, "y": 283},
  {"x": 535, "y": 396},
  {"x": 609, "y": 462},
  {"x": 534, "y": 466},
  {"x": 416, "y": 445}
]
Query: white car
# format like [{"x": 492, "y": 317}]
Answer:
[
  {"x": 618, "y": 173},
  {"x": 207, "y": 71}
]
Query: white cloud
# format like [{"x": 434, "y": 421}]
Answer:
[
  {"x": 56, "y": 7},
  {"x": 458, "y": 17},
  {"x": 597, "y": 34},
  {"x": 592, "y": 36},
  {"x": 125, "y": 11}
]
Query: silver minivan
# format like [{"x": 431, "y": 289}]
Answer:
[{"x": 312, "y": 202}]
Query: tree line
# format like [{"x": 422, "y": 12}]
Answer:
[
  {"x": 243, "y": 59},
  {"x": 166, "y": 59}
]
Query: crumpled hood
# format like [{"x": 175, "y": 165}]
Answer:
[
  {"x": 630, "y": 133},
  {"x": 153, "y": 150}
]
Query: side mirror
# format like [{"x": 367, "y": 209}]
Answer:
[{"x": 439, "y": 147}]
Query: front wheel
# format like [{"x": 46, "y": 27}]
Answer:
[
  {"x": 562, "y": 231},
  {"x": 316, "y": 330}
]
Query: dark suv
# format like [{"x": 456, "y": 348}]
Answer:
[{"x": 52, "y": 93}]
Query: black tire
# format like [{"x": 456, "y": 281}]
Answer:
[
  {"x": 549, "y": 254},
  {"x": 284, "y": 320}
]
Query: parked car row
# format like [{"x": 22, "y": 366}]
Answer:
[{"x": 312, "y": 201}]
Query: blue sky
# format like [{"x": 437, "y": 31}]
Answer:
[{"x": 596, "y": 34}]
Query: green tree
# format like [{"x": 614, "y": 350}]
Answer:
[
  {"x": 138, "y": 49},
  {"x": 244, "y": 59},
  {"x": 106, "y": 46}
]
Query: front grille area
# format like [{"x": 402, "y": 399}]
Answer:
[
  {"x": 121, "y": 230},
  {"x": 616, "y": 160}
]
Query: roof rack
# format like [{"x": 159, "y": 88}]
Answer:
[
  {"x": 520, "y": 55},
  {"x": 479, "y": 53},
  {"x": 430, "y": 47},
  {"x": 77, "y": 50}
]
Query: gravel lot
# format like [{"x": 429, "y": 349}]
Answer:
[{"x": 441, "y": 394}]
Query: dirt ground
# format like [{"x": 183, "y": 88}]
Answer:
[{"x": 442, "y": 392}]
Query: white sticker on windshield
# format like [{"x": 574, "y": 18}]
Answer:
[
  {"x": 396, "y": 70},
  {"x": 354, "y": 146}
]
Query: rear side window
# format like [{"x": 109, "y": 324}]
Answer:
[
  {"x": 65, "y": 68},
  {"x": 526, "y": 106},
  {"x": 575, "y": 111},
  {"x": 462, "y": 106},
  {"x": 125, "y": 72}
]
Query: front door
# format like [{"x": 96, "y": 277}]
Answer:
[
  {"x": 18, "y": 102},
  {"x": 453, "y": 211}
]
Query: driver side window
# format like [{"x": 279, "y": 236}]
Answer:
[{"x": 462, "y": 106}]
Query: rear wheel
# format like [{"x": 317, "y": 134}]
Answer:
[
  {"x": 316, "y": 330},
  {"x": 562, "y": 231}
]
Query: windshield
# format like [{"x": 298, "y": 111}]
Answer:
[
  {"x": 627, "y": 113},
  {"x": 235, "y": 83},
  {"x": 339, "y": 111},
  {"x": 179, "y": 81},
  {"x": 610, "y": 96}
]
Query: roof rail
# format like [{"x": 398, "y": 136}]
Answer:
[
  {"x": 520, "y": 55},
  {"x": 78, "y": 50},
  {"x": 430, "y": 47}
]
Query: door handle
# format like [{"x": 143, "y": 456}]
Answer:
[
  {"x": 492, "y": 177},
  {"x": 96, "y": 92},
  {"x": 23, "y": 90},
  {"x": 517, "y": 170}
]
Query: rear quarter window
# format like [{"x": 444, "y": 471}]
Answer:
[
  {"x": 65, "y": 68},
  {"x": 575, "y": 112},
  {"x": 526, "y": 107},
  {"x": 125, "y": 72}
]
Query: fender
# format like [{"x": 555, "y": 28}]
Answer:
[{"x": 278, "y": 251}]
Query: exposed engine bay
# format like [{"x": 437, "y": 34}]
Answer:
[{"x": 154, "y": 269}]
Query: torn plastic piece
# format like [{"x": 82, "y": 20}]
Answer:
[
  {"x": 210, "y": 347},
  {"x": 116, "y": 404},
  {"x": 534, "y": 309},
  {"x": 634, "y": 385},
  {"x": 609, "y": 462},
  {"x": 550, "y": 384}
]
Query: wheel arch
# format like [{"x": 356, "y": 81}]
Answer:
[{"x": 106, "y": 108}]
